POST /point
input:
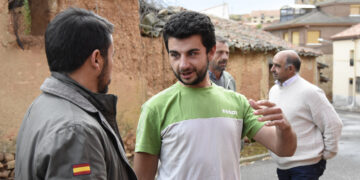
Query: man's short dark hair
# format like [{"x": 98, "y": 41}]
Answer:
[
  {"x": 188, "y": 23},
  {"x": 221, "y": 39},
  {"x": 295, "y": 61},
  {"x": 72, "y": 36}
]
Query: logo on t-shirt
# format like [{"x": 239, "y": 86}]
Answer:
[{"x": 229, "y": 112}]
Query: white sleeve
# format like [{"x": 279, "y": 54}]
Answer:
[{"x": 327, "y": 120}]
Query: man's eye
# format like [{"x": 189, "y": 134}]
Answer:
[
  {"x": 174, "y": 55},
  {"x": 193, "y": 53}
]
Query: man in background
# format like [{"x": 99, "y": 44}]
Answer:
[
  {"x": 218, "y": 64},
  {"x": 70, "y": 130},
  {"x": 317, "y": 125}
]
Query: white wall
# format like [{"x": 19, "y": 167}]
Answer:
[
  {"x": 221, "y": 11},
  {"x": 342, "y": 71}
]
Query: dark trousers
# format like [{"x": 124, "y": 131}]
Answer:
[{"x": 310, "y": 172}]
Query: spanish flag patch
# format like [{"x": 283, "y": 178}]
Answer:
[{"x": 81, "y": 169}]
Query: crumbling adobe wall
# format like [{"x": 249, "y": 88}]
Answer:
[
  {"x": 251, "y": 72},
  {"x": 5, "y": 36},
  {"x": 308, "y": 69},
  {"x": 140, "y": 68}
]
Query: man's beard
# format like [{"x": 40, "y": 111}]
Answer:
[
  {"x": 103, "y": 84},
  {"x": 220, "y": 68},
  {"x": 199, "y": 74}
]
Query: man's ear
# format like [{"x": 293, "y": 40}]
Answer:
[
  {"x": 292, "y": 68},
  {"x": 96, "y": 60},
  {"x": 211, "y": 53}
]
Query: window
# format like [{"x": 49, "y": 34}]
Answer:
[
  {"x": 295, "y": 38},
  {"x": 357, "y": 84},
  {"x": 354, "y": 10},
  {"x": 286, "y": 36},
  {"x": 313, "y": 37},
  {"x": 290, "y": 11},
  {"x": 302, "y": 11},
  {"x": 351, "y": 57}
]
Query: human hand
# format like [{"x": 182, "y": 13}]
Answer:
[{"x": 270, "y": 113}]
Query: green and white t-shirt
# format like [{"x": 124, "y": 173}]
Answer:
[{"x": 196, "y": 132}]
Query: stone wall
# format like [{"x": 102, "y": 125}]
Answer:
[{"x": 7, "y": 166}]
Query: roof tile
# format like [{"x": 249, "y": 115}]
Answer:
[
  {"x": 353, "y": 31},
  {"x": 247, "y": 38}
]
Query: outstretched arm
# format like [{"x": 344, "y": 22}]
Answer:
[
  {"x": 277, "y": 134},
  {"x": 145, "y": 166}
]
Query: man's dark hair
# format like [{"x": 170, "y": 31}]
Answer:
[
  {"x": 72, "y": 36},
  {"x": 293, "y": 60},
  {"x": 188, "y": 23},
  {"x": 221, "y": 39}
]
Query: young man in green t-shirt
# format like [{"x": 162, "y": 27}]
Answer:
[{"x": 195, "y": 127}]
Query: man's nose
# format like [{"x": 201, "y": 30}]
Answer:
[
  {"x": 184, "y": 63},
  {"x": 272, "y": 68},
  {"x": 225, "y": 56}
]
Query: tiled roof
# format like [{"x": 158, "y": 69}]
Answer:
[
  {"x": 316, "y": 17},
  {"x": 246, "y": 38},
  {"x": 354, "y": 31},
  {"x": 242, "y": 37}
]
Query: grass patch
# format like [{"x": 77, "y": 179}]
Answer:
[{"x": 251, "y": 149}]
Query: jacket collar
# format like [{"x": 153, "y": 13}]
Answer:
[
  {"x": 213, "y": 77},
  {"x": 61, "y": 85}
]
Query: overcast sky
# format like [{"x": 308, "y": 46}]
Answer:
[{"x": 235, "y": 6}]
